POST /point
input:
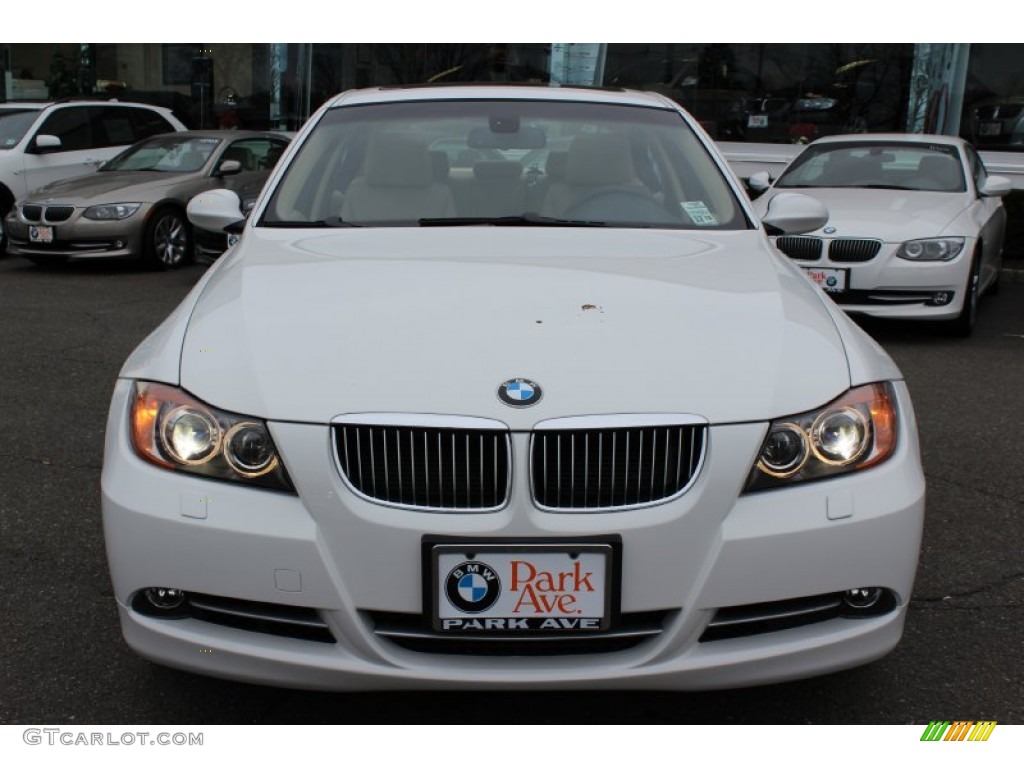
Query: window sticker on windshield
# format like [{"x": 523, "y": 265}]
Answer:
[
  {"x": 10, "y": 142},
  {"x": 699, "y": 213}
]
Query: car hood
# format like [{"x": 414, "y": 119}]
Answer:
[
  {"x": 887, "y": 214},
  {"x": 313, "y": 326},
  {"x": 126, "y": 186}
]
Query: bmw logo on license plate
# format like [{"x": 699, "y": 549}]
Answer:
[{"x": 519, "y": 393}]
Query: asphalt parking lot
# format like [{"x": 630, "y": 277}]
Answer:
[{"x": 64, "y": 334}]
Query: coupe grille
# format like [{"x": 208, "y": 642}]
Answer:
[
  {"x": 59, "y": 213},
  {"x": 806, "y": 248},
  {"x": 32, "y": 212},
  {"x": 426, "y": 468},
  {"x": 849, "y": 250},
  {"x": 601, "y": 469}
]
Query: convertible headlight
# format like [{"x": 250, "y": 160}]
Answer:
[
  {"x": 854, "y": 432},
  {"x": 173, "y": 430},
  {"x": 935, "y": 249},
  {"x": 112, "y": 212}
]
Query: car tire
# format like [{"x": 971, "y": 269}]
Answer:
[
  {"x": 993, "y": 290},
  {"x": 168, "y": 241},
  {"x": 963, "y": 325},
  {"x": 5, "y": 208}
]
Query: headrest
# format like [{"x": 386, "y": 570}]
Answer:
[
  {"x": 398, "y": 161},
  {"x": 602, "y": 158}
]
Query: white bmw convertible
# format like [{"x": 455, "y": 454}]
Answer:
[
  {"x": 915, "y": 228},
  {"x": 478, "y": 424}
]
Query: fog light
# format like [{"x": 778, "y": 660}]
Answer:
[
  {"x": 165, "y": 598},
  {"x": 862, "y": 598},
  {"x": 118, "y": 244}
]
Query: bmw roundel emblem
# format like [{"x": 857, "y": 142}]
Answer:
[
  {"x": 830, "y": 230},
  {"x": 519, "y": 393},
  {"x": 472, "y": 587}
]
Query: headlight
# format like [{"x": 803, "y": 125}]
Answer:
[
  {"x": 935, "y": 249},
  {"x": 112, "y": 212},
  {"x": 175, "y": 431},
  {"x": 852, "y": 433}
]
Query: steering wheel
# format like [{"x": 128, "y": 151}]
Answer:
[{"x": 620, "y": 204}]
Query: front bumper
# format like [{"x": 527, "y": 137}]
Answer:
[
  {"x": 894, "y": 288},
  {"x": 79, "y": 237},
  {"x": 351, "y": 560}
]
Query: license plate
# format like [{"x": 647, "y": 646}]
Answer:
[
  {"x": 990, "y": 129},
  {"x": 521, "y": 588},
  {"x": 40, "y": 234},
  {"x": 831, "y": 280},
  {"x": 757, "y": 121}
]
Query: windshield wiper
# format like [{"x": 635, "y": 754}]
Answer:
[
  {"x": 888, "y": 186},
  {"x": 330, "y": 221},
  {"x": 522, "y": 220}
]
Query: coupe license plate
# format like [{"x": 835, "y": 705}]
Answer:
[
  {"x": 524, "y": 588},
  {"x": 757, "y": 121},
  {"x": 40, "y": 234},
  {"x": 831, "y": 280},
  {"x": 990, "y": 129}
]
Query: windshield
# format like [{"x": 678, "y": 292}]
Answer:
[
  {"x": 172, "y": 154},
  {"x": 13, "y": 124},
  {"x": 878, "y": 165},
  {"x": 503, "y": 162}
]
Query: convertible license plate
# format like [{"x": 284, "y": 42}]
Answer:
[
  {"x": 831, "y": 280},
  {"x": 521, "y": 588},
  {"x": 990, "y": 129},
  {"x": 40, "y": 234}
]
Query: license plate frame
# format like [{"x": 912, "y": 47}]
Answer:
[
  {"x": 575, "y": 610},
  {"x": 991, "y": 128},
  {"x": 829, "y": 279},
  {"x": 41, "y": 233}
]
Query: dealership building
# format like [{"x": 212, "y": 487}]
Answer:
[{"x": 759, "y": 101}]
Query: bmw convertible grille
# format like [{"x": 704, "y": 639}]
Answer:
[{"x": 426, "y": 467}]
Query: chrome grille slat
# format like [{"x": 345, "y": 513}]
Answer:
[
  {"x": 571, "y": 470},
  {"x": 435, "y": 468}
]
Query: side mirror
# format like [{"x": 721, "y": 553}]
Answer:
[
  {"x": 46, "y": 143},
  {"x": 996, "y": 186},
  {"x": 759, "y": 181},
  {"x": 228, "y": 168},
  {"x": 215, "y": 209},
  {"x": 790, "y": 213}
]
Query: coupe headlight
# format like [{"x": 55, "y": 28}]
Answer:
[
  {"x": 173, "y": 430},
  {"x": 112, "y": 212},
  {"x": 935, "y": 249},
  {"x": 854, "y": 432}
]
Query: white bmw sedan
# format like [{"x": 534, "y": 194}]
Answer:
[
  {"x": 479, "y": 424},
  {"x": 915, "y": 227}
]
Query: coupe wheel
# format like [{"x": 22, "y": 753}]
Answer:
[
  {"x": 963, "y": 325},
  {"x": 168, "y": 240}
]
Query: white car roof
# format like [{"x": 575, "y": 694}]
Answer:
[
  {"x": 449, "y": 92},
  {"x": 903, "y": 138}
]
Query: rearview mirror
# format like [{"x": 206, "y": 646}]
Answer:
[
  {"x": 759, "y": 181},
  {"x": 46, "y": 143},
  {"x": 790, "y": 213},
  {"x": 214, "y": 210},
  {"x": 229, "y": 168},
  {"x": 498, "y": 136},
  {"x": 996, "y": 186}
]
